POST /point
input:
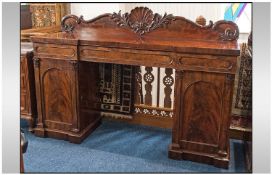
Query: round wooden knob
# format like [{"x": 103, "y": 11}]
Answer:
[{"x": 201, "y": 20}]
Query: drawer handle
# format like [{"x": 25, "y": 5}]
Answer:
[{"x": 230, "y": 66}]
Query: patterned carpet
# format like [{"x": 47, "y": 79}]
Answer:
[{"x": 117, "y": 147}]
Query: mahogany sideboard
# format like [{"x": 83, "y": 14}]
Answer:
[{"x": 204, "y": 58}]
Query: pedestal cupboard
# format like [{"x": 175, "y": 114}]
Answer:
[{"x": 203, "y": 56}]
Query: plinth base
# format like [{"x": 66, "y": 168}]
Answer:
[
  {"x": 73, "y": 137},
  {"x": 212, "y": 159}
]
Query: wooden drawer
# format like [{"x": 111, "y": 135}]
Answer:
[
  {"x": 208, "y": 64},
  {"x": 55, "y": 51},
  {"x": 125, "y": 56}
]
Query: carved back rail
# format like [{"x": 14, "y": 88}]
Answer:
[{"x": 143, "y": 22}]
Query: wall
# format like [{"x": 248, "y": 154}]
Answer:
[
  {"x": 92, "y": 10},
  {"x": 211, "y": 11},
  {"x": 191, "y": 11}
]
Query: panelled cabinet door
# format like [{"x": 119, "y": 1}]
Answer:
[
  {"x": 58, "y": 91},
  {"x": 203, "y": 113}
]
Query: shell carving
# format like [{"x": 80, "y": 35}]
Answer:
[{"x": 141, "y": 20}]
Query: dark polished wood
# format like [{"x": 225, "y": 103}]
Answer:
[
  {"x": 204, "y": 58},
  {"x": 203, "y": 117},
  {"x": 28, "y": 109},
  {"x": 67, "y": 106}
]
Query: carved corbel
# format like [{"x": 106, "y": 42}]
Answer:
[
  {"x": 179, "y": 74},
  {"x": 229, "y": 78},
  {"x": 175, "y": 61},
  {"x": 74, "y": 64},
  {"x": 36, "y": 62}
]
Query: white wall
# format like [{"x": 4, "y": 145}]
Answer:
[
  {"x": 92, "y": 10},
  {"x": 211, "y": 11}
]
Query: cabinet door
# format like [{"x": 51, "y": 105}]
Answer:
[
  {"x": 203, "y": 114},
  {"x": 58, "y": 94}
]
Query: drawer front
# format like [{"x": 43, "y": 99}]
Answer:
[
  {"x": 125, "y": 56},
  {"x": 55, "y": 51},
  {"x": 208, "y": 64}
]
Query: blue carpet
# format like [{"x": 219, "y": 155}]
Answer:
[{"x": 117, "y": 147}]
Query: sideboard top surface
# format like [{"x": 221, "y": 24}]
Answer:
[{"x": 154, "y": 32}]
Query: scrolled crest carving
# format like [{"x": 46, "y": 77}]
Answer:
[
  {"x": 228, "y": 31},
  {"x": 229, "y": 34},
  {"x": 69, "y": 22},
  {"x": 141, "y": 20}
]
